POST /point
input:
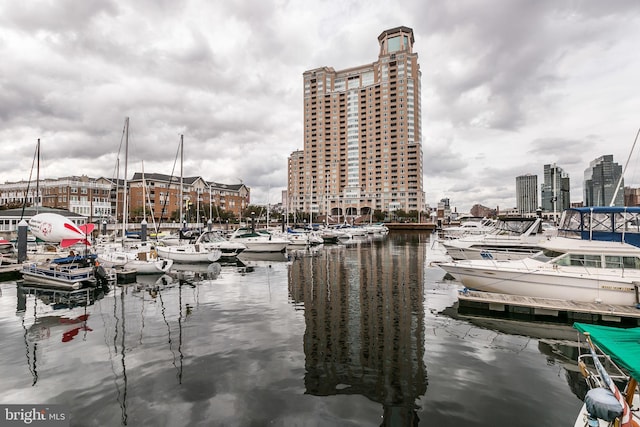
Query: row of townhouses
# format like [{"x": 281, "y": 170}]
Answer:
[{"x": 159, "y": 197}]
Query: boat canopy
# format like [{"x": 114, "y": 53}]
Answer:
[
  {"x": 604, "y": 223},
  {"x": 622, "y": 345},
  {"x": 517, "y": 226}
]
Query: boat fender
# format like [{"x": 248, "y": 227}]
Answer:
[
  {"x": 583, "y": 368},
  {"x": 602, "y": 404}
]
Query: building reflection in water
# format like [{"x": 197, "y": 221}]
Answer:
[{"x": 364, "y": 318}]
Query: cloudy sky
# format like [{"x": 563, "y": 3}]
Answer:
[{"x": 507, "y": 86}]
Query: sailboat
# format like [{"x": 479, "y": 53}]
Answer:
[
  {"x": 188, "y": 252},
  {"x": 142, "y": 256},
  {"x": 612, "y": 360}
]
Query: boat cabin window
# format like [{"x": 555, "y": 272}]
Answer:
[
  {"x": 580, "y": 260},
  {"x": 546, "y": 255},
  {"x": 628, "y": 262}
]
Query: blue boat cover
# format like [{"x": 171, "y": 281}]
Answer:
[
  {"x": 73, "y": 258},
  {"x": 622, "y": 345},
  {"x": 604, "y": 223},
  {"x": 602, "y": 403}
]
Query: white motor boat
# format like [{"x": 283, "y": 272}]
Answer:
[
  {"x": 213, "y": 239},
  {"x": 58, "y": 276},
  {"x": 349, "y": 232},
  {"x": 480, "y": 226},
  {"x": 302, "y": 237},
  {"x": 594, "y": 258},
  {"x": 261, "y": 241},
  {"x": 379, "y": 228},
  {"x": 510, "y": 238},
  {"x": 62, "y": 274}
]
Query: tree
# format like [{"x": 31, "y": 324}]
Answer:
[
  {"x": 257, "y": 210},
  {"x": 413, "y": 214},
  {"x": 378, "y": 215},
  {"x": 136, "y": 214},
  {"x": 400, "y": 214},
  {"x": 12, "y": 205}
]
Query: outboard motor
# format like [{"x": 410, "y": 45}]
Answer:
[{"x": 102, "y": 278}]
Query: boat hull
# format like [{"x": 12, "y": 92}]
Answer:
[
  {"x": 57, "y": 277},
  {"x": 266, "y": 247},
  {"x": 528, "y": 277},
  {"x": 150, "y": 267},
  {"x": 189, "y": 254}
]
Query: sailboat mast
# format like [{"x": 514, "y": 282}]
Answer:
[
  {"x": 555, "y": 196},
  {"x": 615, "y": 194},
  {"x": 126, "y": 160},
  {"x": 144, "y": 190},
  {"x": 38, "y": 177},
  {"x": 181, "y": 186},
  {"x": 117, "y": 188}
]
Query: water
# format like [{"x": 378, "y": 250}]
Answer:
[{"x": 359, "y": 335}]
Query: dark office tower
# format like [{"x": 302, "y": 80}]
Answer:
[
  {"x": 555, "y": 191},
  {"x": 601, "y": 179}
]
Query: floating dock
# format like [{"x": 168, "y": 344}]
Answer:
[{"x": 546, "y": 309}]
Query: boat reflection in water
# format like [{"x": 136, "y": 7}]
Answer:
[
  {"x": 132, "y": 304},
  {"x": 556, "y": 340},
  {"x": 196, "y": 271},
  {"x": 365, "y": 326},
  {"x": 53, "y": 314}
]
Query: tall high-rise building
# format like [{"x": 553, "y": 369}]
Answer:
[
  {"x": 601, "y": 180},
  {"x": 555, "y": 190},
  {"x": 362, "y": 136},
  {"x": 527, "y": 194}
]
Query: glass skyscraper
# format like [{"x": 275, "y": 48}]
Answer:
[
  {"x": 601, "y": 180},
  {"x": 555, "y": 190}
]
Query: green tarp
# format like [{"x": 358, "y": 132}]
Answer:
[{"x": 622, "y": 345}]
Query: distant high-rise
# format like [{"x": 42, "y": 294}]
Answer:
[
  {"x": 527, "y": 194},
  {"x": 555, "y": 190},
  {"x": 601, "y": 181},
  {"x": 362, "y": 136}
]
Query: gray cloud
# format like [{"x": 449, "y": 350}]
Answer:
[{"x": 507, "y": 86}]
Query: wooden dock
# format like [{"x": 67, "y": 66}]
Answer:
[
  {"x": 411, "y": 226},
  {"x": 533, "y": 308}
]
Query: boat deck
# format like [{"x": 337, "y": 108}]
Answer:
[{"x": 516, "y": 306}]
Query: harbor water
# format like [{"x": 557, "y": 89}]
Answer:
[{"x": 361, "y": 334}]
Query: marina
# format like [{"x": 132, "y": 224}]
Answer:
[{"x": 349, "y": 334}]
